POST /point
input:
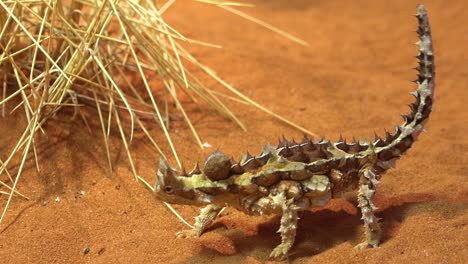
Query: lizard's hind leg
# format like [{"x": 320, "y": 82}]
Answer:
[
  {"x": 367, "y": 187},
  {"x": 202, "y": 221}
]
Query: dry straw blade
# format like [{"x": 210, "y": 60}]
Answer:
[{"x": 57, "y": 54}]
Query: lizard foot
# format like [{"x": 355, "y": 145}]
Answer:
[
  {"x": 280, "y": 252},
  {"x": 189, "y": 233},
  {"x": 365, "y": 245}
]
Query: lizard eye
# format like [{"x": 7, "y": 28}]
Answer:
[{"x": 168, "y": 189}]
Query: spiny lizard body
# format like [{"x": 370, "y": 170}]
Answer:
[{"x": 297, "y": 176}]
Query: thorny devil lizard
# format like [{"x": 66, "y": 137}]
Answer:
[{"x": 296, "y": 176}]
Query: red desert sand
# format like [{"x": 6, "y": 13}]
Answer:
[{"x": 352, "y": 79}]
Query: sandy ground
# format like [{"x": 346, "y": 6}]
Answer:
[{"x": 354, "y": 78}]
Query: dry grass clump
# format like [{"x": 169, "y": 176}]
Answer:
[{"x": 57, "y": 54}]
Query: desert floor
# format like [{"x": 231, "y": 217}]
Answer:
[{"x": 353, "y": 78}]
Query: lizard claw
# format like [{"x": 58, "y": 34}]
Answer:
[
  {"x": 362, "y": 245},
  {"x": 190, "y": 233}
]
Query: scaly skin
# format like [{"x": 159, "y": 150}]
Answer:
[{"x": 297, "y": 176}]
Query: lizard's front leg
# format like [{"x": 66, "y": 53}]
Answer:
[
  {"x": 202, "y": 221},
  {"x": 288, "y": 226},
  {"x": 367, "y": 187}
]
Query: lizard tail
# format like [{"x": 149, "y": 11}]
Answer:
[{"x": 396, "y": 144}]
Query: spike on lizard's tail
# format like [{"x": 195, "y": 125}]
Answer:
[{"x": 396, "y": 144}]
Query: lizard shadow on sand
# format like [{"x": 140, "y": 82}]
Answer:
[{"x": 322, "y": 229}]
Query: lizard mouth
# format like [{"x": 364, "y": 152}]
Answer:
[{"x": 185, "y": 197}]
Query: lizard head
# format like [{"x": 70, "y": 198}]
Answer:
[
  {"x": 179, "y": 188},
  {"x": 170, "y": 188}
]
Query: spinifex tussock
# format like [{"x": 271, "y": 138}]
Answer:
[{"x": 69, "y": 54}]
